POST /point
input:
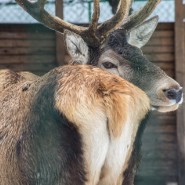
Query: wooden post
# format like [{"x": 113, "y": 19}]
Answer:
[
  {"x": 60, "y": 47},
  {"x": 180, "y": 76}
]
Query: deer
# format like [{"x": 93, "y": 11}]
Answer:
[
  {"x": 115, "y": 46},
  {"x": 120, "y": 40},
  {"x": 60, "y": 129}
]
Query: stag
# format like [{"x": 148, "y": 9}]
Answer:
[
  {"x": 115, "y": 46},
  {"x": 62, "y": 128}
]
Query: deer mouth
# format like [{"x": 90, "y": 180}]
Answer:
[
  {"x": 167, "y": 108},
  {"x": 167, "y": 100}
]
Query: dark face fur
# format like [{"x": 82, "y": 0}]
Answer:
[
  {"x": 136, "y": 63},
  {"x": 121, "y": 58}
]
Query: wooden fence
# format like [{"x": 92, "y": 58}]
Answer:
[
  {"x": 159, "y": 164},
  {"x": 33, "y": 48},
  {"x": 27, "y": 47}
]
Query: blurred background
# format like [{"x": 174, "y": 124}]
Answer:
[
  {"x": 27, "y": 45},
  {"x": 79, "y": 11}
]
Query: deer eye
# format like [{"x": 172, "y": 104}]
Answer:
[{"x": 109, "y": 65}]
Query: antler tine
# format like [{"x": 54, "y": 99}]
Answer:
[
  {"x": 37, "y": 11},
  {"x": 141, "y": 15},
  {"x": 95, "y": 17},
  {"x": 116, "y": 20}
]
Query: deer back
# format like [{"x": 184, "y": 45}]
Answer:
[{"x": 49, "y": 131}]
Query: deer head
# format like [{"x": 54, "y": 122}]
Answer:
[{"x": 115, "y": 46}]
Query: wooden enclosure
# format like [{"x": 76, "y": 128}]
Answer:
[
  {"x": 160, "y": 163},
  {"x": 180, "y": 76},
  {"x": 35, "y": 48},
  {"x": 27, "y": 47}
]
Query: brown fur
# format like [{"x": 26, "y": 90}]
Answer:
[
  {"x": 9, "y": 77},
  {"x": 80, "y": 93}
]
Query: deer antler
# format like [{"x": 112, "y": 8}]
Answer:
[
  {"x": 139, "y": 16},
  {"x": 95, "y": 17},
  {"x": 37, "y": 11},
  {"x": 93, "y": 35},
  {"x": 116, "y": 20}
]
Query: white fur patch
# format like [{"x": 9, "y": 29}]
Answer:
[
  {"x": 95, "y": 138},
  {"x": 118, "y": 154}
]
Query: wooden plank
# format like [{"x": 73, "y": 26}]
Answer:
[
  {"x": 27, "y": 43},
  {"x": 158, "y": 119},
  {"x": 157, "y": 115},
  {"x": 159, "y": 167},
  {"x": 164, "y": 164},
  {"x": 162, "y": 121},
  {"x": 36, "y": 27},
  {"x": 180, "y": 76},
  {"x": 27, "y": 51},
  {"x": 156, "y": 49},
  {"x": 163, "y": 34},
  {"x": 28, "y": 59},
  {"x": 161, "y": 138},
  {"x": 160, "y": 147},
  {"x": 60, "y": 50},
  {"x": 28, "y": 28},
  {"x": 152, "y": 180},
  {"x": 161, "y": 57},
  {"x": 161, "y": 42},
  {"x": 158, "y": 155},
  {"x": 144, "y": 177},
  {"x": 165, "y": 66},
  {"x": 28, "y": 67},
  {"x": 166, "y": 26},
  {"x": 162, "y": 129},
  {"x": 60, "y": 46},
  {"x": 27, "y": 35}
]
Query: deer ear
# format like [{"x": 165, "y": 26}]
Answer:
[
  {"x": 140, "y": 35},
  {"x": 76, "y": 47}
]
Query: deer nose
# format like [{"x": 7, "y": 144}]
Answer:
[{"x": 174, "y": 94}]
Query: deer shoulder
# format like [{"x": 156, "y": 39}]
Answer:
[{"x": 64, "y": 124}]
